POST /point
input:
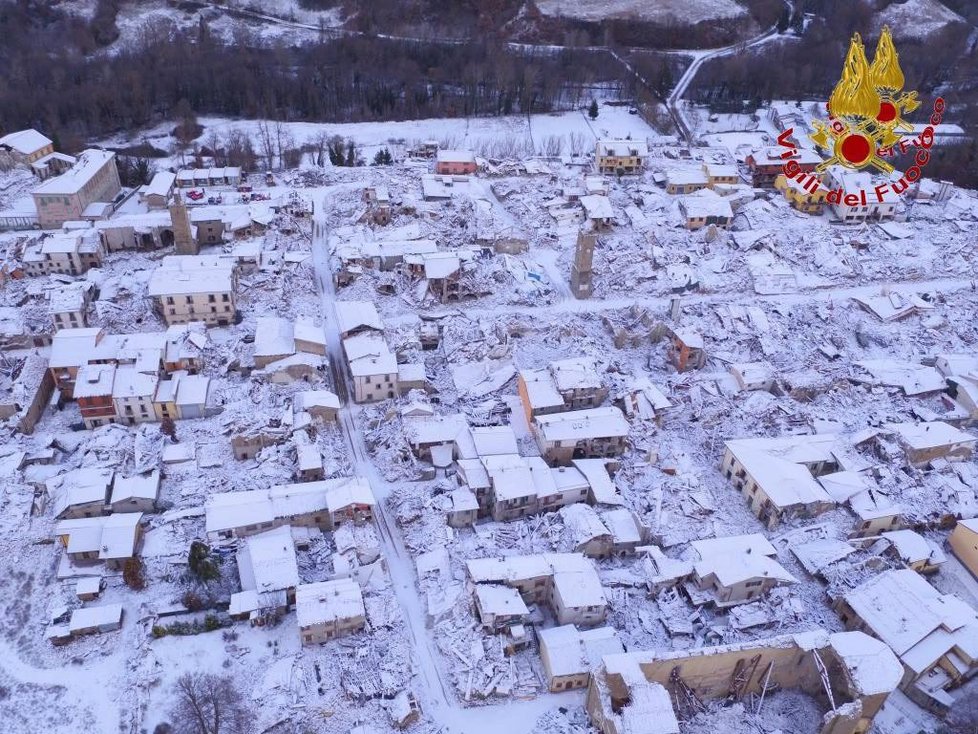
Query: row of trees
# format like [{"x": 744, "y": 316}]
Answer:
[{"x": 349, "y": 79}]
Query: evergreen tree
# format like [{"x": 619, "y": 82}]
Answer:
[
  {"x": 202, "y": 564},
  {"x": 592, "y": 111}
]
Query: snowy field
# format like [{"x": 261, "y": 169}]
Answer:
[
  {"x": 683, "y": 11},
  {"x": 493, "y": 136}
]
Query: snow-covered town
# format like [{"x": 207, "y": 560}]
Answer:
[{"x": 561, "y": 423}]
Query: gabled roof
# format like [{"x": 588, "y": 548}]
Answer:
[
  {"x": 25, "y": 141},
  {"x": 582, "y": 424},
  {"x": 328, "y": 601}
]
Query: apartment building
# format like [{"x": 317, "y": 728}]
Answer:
[
  {"x": 777, "y": 476},
  {"x": 64, "y": 253},
  {"x": 566, "y": 582},
  {"x": 620, "y": 156},
  {"x": 93, "y": 178},
  {"x": 329, "y": 609},
  {"x": 187, "y": 288},
  {"x": 581, "y": 434},
  {"x": 565, "y": 384}
]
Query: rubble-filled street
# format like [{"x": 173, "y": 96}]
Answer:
[{"x": 624, "y": 436}]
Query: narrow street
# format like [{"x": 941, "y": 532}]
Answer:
[{"x": 436, "y": 698}]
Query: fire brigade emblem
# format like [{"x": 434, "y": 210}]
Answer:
[{"x": 866, "y": 108}]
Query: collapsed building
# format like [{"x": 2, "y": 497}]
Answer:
[{"x": 650, "y": 692}]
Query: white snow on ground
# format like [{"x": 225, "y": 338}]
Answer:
[
  {"x": 513, "y": 135},
  {"x": 683, "y": 11},
  {"x": 916, "y": 18}
]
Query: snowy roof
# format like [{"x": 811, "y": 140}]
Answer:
[
  {"x": 914, "y": 548},
  {"x": 351, "y": 315},
  {"x": 317, "y": 399},
  {"x": 328, "y": 601},
  {"x": 721, "y": 170},
  {"x": 436, "y": 429},
  {"x": 686, "y": 176},
  {"x": 191, "y": 274},
  {"x": 61, "y": 243},
  {"x": 497, "y": 599},
  {"x": 307, "y": 330},
  {"x": 574, "y": 576},
  {"x": 622, "y": 148},
  {"x": 778, "y": 465},
  {"x": 94, "y": 380},
  {"x": 493, "y": 440},
  {"x": 343, "y": 492},
  {"x": 570, "y": 651},
  {"x": 438, "y": 265},
  {"x": 412, "y": 372},
  {"x": 935, "y": 434},
  {"x": 602, "y": 486},
  {"x": 138, "y": 486},
  {"x": 273, "y": 337},
  {"x": 88, "y": 617},
  {"x": 913, "y": 379},
  {"x": 113, "y": 536},
  {"x": 582, "y": 424},
  {"x": 160, "y": 185},
  {"x": 510, "y": 475},
  {"x": 130, "y": 383},
  {"x": 919, "y": 623},
  {"x": 368, "y": 354},
  {"x": 69, "y": 183},
  {"x": 623, "y": 525},
  {"x": 25, "y": 141},
  {"x": 456, "y": 156},
  {"x": 689, "y": 336},
  {"x": 773, "y": 157},
  {"x": 540, "y": 389},
  {"x": 192, "y": 389},
  {"x": 267, "y": 562},
  {"x": 582, "y": 524},
  {"x": 705, "y": 203},
  {"x": 870, "y": 664},
  {"x": 958, "y": 364},
  {"x": 597, "y": 206},
  {"x": 68, "y": 299},
  {"x": 575, "y": 373},
  {"x": 463, "y": 500},
  {"x": 737, "y": 559},
  {"x": 473, "y": 473},
  {"x": 818, "y": 554}
]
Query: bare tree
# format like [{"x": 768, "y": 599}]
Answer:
[
  {"x": 266, "y": 140},
  {"x": 319, "y": 143},
  {"x": 208, "y": 704}
]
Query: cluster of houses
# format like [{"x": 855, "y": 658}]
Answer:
[
  {"x": 372, "y": 365},
  {"x": 132, "y": 378},
  {"x": 271, "y": 523}
]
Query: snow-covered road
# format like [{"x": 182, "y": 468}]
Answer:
[{"x": 436, "y": 697}]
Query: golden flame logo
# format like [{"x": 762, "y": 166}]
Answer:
[
  {"x": 855, "y": 96},
  {"x": 866, "y": 110}
]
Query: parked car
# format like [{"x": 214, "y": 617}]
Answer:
[
  {"x": 195, "y": 195},
  {"x": 244, "y": 188},
  {"x": 215, "y": 200}
]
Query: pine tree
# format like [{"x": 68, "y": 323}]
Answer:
[
  {"x": 201, "y": 563},
  {"x": 592, "y": 111}
]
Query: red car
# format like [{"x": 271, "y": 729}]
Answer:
[
  {"x": 195, "y": 195},
  {"x": 244, "y": 188}
]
